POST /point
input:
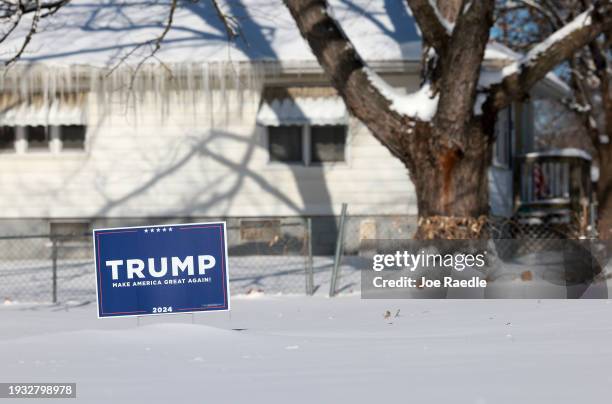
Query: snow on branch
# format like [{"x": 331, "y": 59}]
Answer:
[
  {"x": 420, "y": 105},
  {"x": 580, "y": 22},
  {"x": 516, "y": 79},
  {"x": 447, "y": 24}
]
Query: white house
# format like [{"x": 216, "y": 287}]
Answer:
[{"x": 96, "y": 133}]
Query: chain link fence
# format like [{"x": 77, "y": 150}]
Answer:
[
  {"x": 267, "y": 255},
  {"x": 291, "y": 255}
]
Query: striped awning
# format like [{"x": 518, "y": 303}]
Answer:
[
  {"x": 329, "y": 110},
  {"x": 37, "y": 112}
]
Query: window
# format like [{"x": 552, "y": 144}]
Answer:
[
  {"x": 327, "y": 143},
  {"x": 37, "y": 137},
  {"x": 285, "y": 143},
  {"x": 307, "y": 144},
  {"x": 7, "y": 138},
  {"x": 72, "y": 137},
  {"x": 502, "y": 149},
  {"x": 42, "y": 138}
]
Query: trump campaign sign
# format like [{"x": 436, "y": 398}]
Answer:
[{"x": 179, "y": 268}]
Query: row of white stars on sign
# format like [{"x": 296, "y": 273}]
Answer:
[{"x": 158, "y": 229}]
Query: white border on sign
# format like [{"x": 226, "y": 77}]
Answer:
[{"x": 227, "y": 287}]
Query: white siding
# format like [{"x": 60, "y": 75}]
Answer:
[
  {"x": 198, "y": 160},
  {"x": 150, "y": 163}
]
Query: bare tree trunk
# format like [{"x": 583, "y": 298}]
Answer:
[{"x": 452, "y": 187}]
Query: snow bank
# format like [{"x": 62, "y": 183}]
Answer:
[{"x": 320, "y": 350}]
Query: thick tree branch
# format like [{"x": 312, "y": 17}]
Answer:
[
  {"x": 431, "y": 23},
  {"x": 466, "y": 49},
  {"x": 521, "y": 76},
  {"x": 348, "y": 74}
]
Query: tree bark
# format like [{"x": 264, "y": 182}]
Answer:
[{"x": 452, "y": 186}]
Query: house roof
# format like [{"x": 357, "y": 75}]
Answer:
[
  {"x": 106, "y": 33},
  {"x": 102, "y": 32}
]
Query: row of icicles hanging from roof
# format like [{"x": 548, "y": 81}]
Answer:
[{"x": 212, "y": 87}]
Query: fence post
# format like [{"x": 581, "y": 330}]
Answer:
[
  {"x": 339, "y": 252},
  {"x": 309, "y": 268},
  {"x": 54, "y": 266}
]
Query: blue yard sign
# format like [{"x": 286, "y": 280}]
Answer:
[{"x": 179, "y": 268}]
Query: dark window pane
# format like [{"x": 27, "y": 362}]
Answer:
[
  {"x": 327, "y": 143},
  {"x": 7, "y": 138},
  {"x": 285, "y": 143},
  {"x": 38, "y": 137},
  {"x": 73, "y": 136}
]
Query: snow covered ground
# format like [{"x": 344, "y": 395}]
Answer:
[{"x": 295, "y": 349}]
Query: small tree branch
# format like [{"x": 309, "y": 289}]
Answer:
[
  {"x": 585, "y": 100},
  {"x": 10, "y": 30},
  {"x": 522, "y": 75},
  {"x": 9, "y": 8},
  {"x": 431, "y": 23},
  {"x": 229, "y": 23},
  {"x": 28, "y": 38},
  {"x": 542, "y": 8},
  {"x": 155, "y": 47}
]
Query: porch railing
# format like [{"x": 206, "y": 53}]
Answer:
[{"x": 553, "y": 186}]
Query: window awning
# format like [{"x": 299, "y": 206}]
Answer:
[
  {"x": 329, "y": 110},
  {"x": 39, "y": 113}
]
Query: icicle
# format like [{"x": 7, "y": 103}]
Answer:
[{"x": 209, "y": 94}]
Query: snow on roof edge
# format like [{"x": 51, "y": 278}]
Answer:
[{"x": 566, "y": 152}]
